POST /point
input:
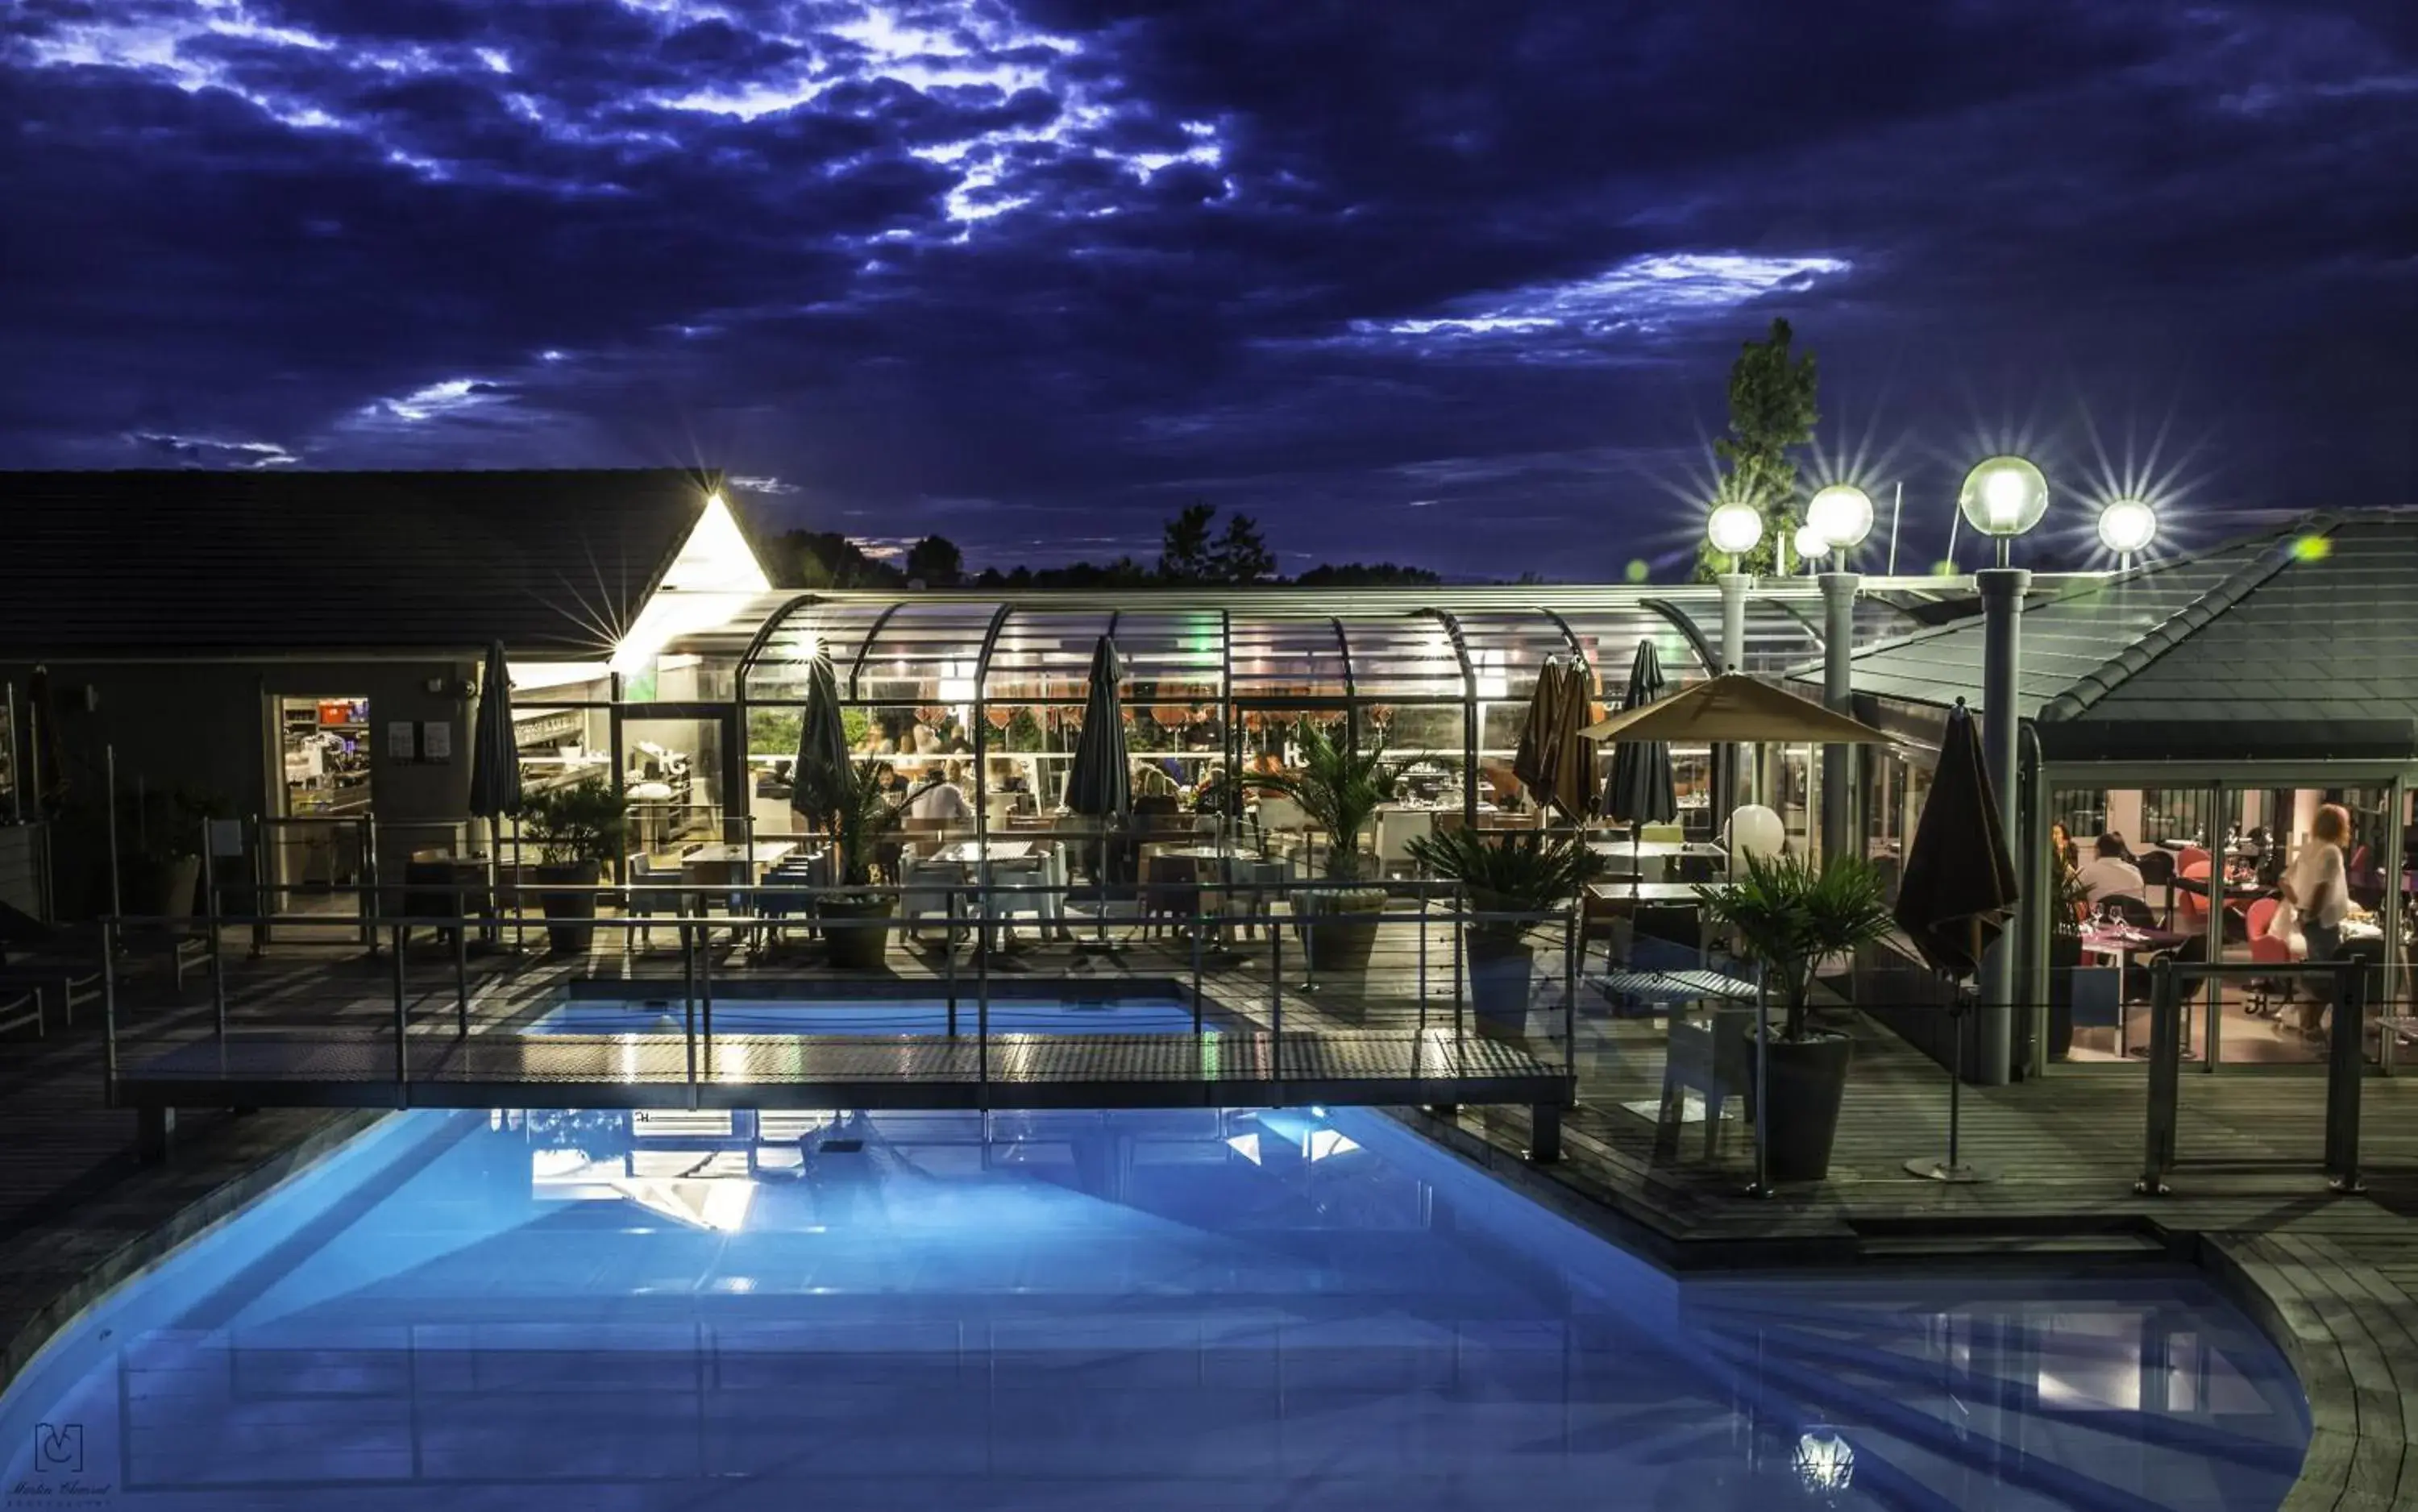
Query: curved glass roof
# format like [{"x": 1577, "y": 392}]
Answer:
[{"x": 1267, "y": 646}]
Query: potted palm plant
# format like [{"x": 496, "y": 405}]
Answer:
[
  {"x": 1338, "y": 787},
  {"x": 576, "y": 829},
  {"x": 852, "y": 807},
  {"x": 1521, "y": 878},
  {"x": 1788, "y": 916}
]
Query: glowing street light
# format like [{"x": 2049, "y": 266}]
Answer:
[
  {"x": 1843, "y": 516},
  {"x": 1810, "y": 544},
  {"x": 2003, "y": 497},
  {"x": 2126, "y": 526},
  {"x": 1735, "y": 529}
]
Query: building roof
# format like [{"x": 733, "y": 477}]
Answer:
[
  {"x": 2302, "y": 641},
  {"x": 551, "y": 563}
]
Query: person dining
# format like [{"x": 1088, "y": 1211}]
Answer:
[
  {"x": 942, "y": 797},
  {"x": 2110, "y": 872}
]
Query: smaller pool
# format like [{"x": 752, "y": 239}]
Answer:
[{"x": 871, "y": 1015}]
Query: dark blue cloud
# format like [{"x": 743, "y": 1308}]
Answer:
[{"x": 1455, "y": 279}]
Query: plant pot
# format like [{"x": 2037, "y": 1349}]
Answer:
[
  {"x": 568, "y": 915},
  {"x": 856, "y": 931},
  {"x": 173, "y": 883},
  {"x": 1332, "y": 937},
  {"x": 1500, "y": 973},
  {"x": 1804, "y": 1083}
]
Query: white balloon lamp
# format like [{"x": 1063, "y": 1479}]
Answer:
[{"x": 1755, "y": 831}]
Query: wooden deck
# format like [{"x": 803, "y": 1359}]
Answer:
[{"x": 2332, "y": 1276}]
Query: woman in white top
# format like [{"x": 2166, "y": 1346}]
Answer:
[{"x": 2319, "y": 892}]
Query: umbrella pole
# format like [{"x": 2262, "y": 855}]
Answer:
[{"x": 1953, "y": 1168}]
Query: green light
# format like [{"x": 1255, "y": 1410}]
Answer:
[
  {"x": 2312, "y": 549},
  {"x": 1637, "y": 572}
]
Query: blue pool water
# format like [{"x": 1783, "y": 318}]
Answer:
[
  {"x": 819, "y": 1016},
  {"x": 1187, "y": 1309}
]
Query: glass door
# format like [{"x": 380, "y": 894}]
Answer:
[
  {"x": 673, "y": 782},
  {"x": 314, "y": 843}
]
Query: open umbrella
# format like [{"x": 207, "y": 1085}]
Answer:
[
  {"x": 822, "y": 760},
  {"x": 1735, "y": 707},
  {"x": 1100, "y": 781},
  {"x": 1955, "y": 896}
]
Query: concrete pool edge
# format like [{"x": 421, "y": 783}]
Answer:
[{"x": 2330, "y": 1317}]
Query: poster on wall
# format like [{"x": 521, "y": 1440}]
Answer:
[
  {"x": 401, "y": 740},
  {"x": 437, "y": 741}
]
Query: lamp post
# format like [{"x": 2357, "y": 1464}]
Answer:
[
  {"x": 1734, "y": 530},
  {"x": 2003, "y": 497},
  {"x": 2126, "y": 527},
  {"x": 1842, "y": 516}
]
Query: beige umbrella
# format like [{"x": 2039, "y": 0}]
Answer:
[{"x": 1735, "y": 707}]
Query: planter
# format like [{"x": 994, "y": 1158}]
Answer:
[
  {"x": 1500, "y": 973},
  {"x": 1331, "y": 936},
  {"x": 856, "y": 931},
  {"x": 1804, "y": 1083},
  {"x": 568, "y": 915}
]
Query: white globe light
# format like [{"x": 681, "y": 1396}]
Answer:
[
  {"x": 1755, "y": 831},
  {"x": 2127, "y": 526},
  {"x": 1811, "y": 543},
  {"x": 1735, "y": 529},
  {"x": 1842, "y": 514},
  {"x": 2004, "y": 497}
]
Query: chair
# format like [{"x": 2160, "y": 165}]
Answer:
[
  {"x": 1171, "y": 890},
  {"x": 2133, "y": 910},
  {"x": 2265, "y": 951},
  {"x": 1662, "y": 835},
  {"x": 1396, "y": 829},
  {"x": 924, "y": 889},
  {"x": 1280, "y": 813},
  {"x": 1710, "y": 1057},
  {"x": 2098, "y": 1000},
  {"x": 2190, "y": 910},
  {"x": 2157, "y": 868},
  {"x": 641, "y": 902}
]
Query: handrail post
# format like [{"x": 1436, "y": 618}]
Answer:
[
  {"x": 982, "y": 985},
  {"x": 688, "y": 1003},
  {"x": 211, "y": 923},
  {"x": 705, "y": 996},
  {"x": 1571, "y": 925},
  {"x": 401, "y": 1030},
  {"x": 371, "y": 904},
  {"x": 109, "y": 1006},
  {"x": 948, "y": 943},
  {"x": 461, "y": 962},
  {"x": 1275, "y": 1013},
  {"x": 1200, "y": 927},
  {"x": 2345, "y": 1070},
  {"x": 2165, "y": 1046},
  {"x": 1459, "y": 928}
]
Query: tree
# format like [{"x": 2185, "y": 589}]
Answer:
[
  {"x": 936, "y": 561},
  {"x": 1243, "y": 555},
  {"x": 1366, "y": 575},
  {"x": 1771, "y": 415},
  {"x": 1185, "y": 555},
  {"x": 822, "y": 558}
]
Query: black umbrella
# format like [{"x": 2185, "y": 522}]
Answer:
[
  {"x": 822, "y": 761},
  {"x": 1959, "y": 886},
  {"x": 1101, "y": 784},
  {"x": 1954, "y": 898},
  {"x": 1640, "y": 789},
  {"x": 1533, "y": 762},
  {"x": 494, "y": 756}
]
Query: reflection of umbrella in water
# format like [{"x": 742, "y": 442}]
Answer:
[
  {"x": 1735, "y": 707},
  {"x": 1955, "y": 897}
]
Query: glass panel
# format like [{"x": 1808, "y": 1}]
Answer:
[
  {"x": 1410, "y": 656},
  {"x": 559, "y": 745},
  {"x": 13, "y": 799},
  {"x": 680, "y": 678},
  {"x": 671, "y": 772},
  {"x": 1283, "y": 658},
  {"x": 780, "y": 669}
]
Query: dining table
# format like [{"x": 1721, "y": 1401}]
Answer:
[{"x": 975, "y": 852}]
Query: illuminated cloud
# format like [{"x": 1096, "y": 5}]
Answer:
[
  {"x": 1641, "y": 295},
  {"x": 205, "y": 452}
]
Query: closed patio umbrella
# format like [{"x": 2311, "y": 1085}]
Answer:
[
  {"x": 1955, "y": 896},
  {"x": 1573, "y": 756},
  {"x": 1532, "y": 761},
  {"x": 1100, "y": 782},
  {"x": 494, "y": 756},
  {"x": 822, "y": 761},
  {"x": 1640, "y": 792}
]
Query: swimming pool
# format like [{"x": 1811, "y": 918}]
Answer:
[
  {"x": 1187, "y": 1309},
  {"x": 871, "y": 1015}
]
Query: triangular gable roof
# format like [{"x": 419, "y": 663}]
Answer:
[
  {"x": 552, "y": 563},
  {"x": 2301, "y": 640}
]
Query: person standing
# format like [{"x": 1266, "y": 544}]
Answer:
[{"x": 2318, "y": 891}]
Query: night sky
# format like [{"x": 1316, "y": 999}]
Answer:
[{"x": 1453, "y": 284}]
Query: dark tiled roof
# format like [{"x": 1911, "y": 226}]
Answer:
[
  {"x": 554, "y": 562},
  {"x": 2243, "y": 647}
]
